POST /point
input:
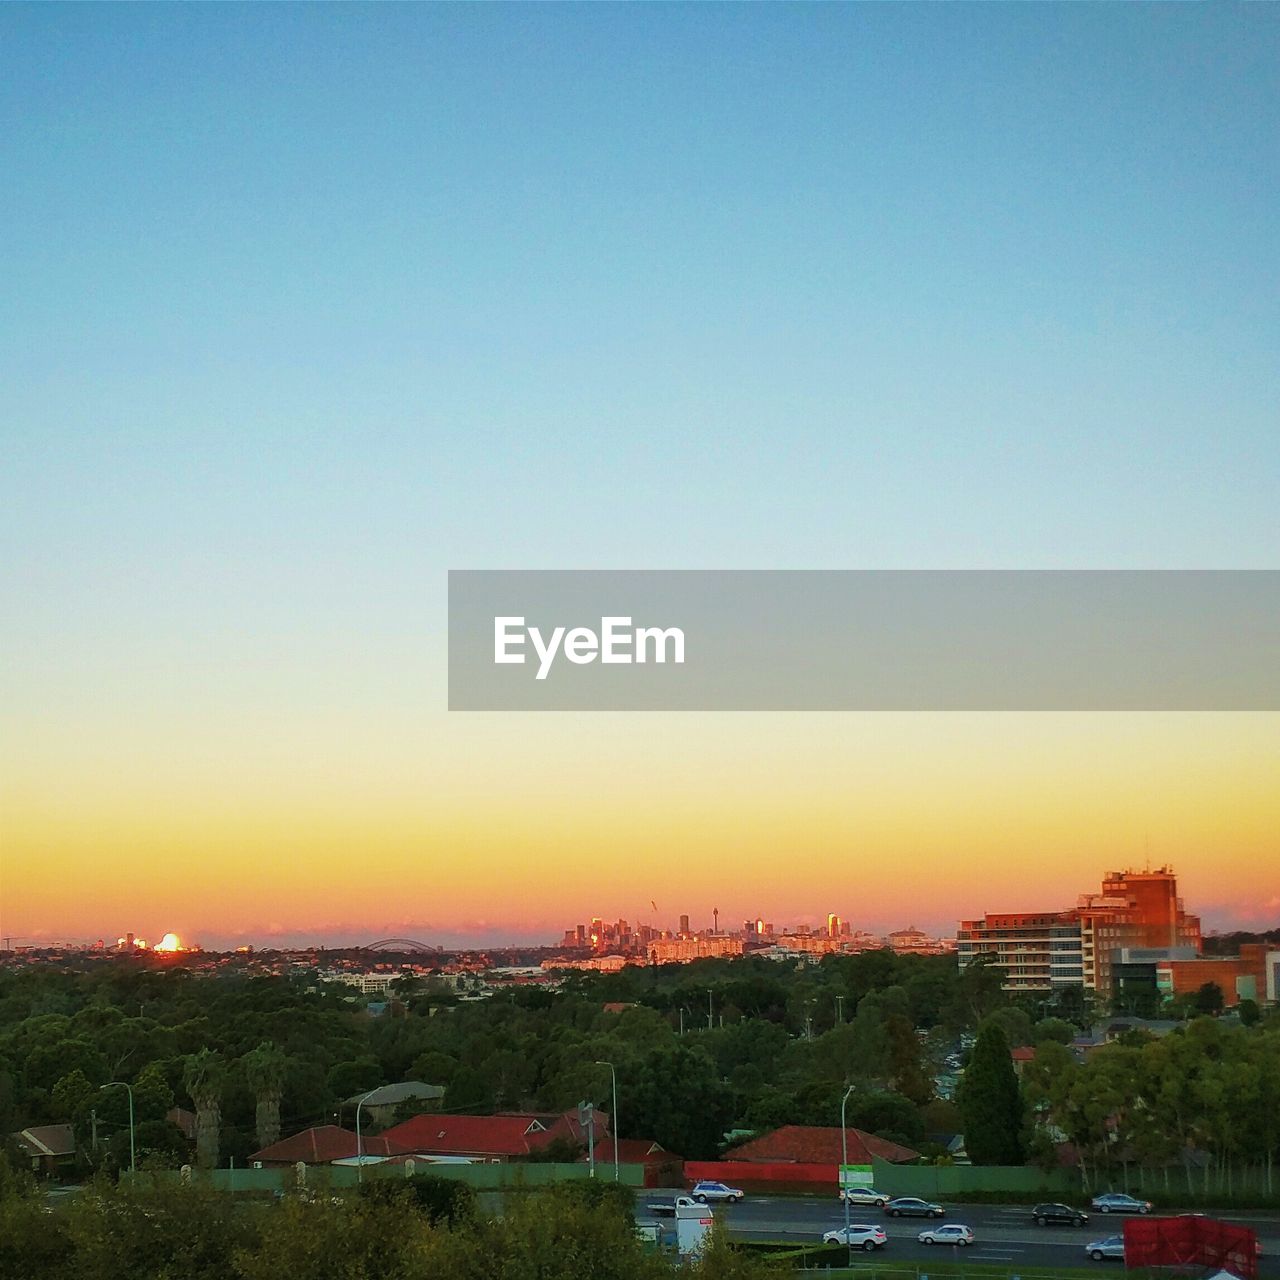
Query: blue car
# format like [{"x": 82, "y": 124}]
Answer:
[{"x": 1118, "y": 1202}]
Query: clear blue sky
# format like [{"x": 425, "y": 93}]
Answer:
[
  {"x": 431, "y": 286},
  {"x": 301, "y": 306}
]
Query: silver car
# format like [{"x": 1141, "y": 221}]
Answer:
[
  {"x": 1111, "y": 1247},
  {"x": 864, "y": 1195}
]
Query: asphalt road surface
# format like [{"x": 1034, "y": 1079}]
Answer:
[{"x": 1004, "y": 1234}]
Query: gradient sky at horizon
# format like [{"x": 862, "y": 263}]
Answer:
[{"x": 303, "y": 306}]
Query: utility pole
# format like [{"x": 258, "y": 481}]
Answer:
[
  {"x": 844, "y": 1165},
  {"x": 133, "y": 1152},
  {"x": 587, "y": 1120},
  {"x": 613, "y": 1121}
]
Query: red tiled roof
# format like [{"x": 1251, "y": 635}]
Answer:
[
  {"x": 1022, "y": 1053},
  {"x": 326, "y": 1143},
  {"x": 810, "y": 1144},
  {"x": 504, "y": 1135}
]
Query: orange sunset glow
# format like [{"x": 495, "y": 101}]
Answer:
[{"x": 886, "y": 820}]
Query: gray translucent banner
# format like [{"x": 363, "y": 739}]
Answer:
[{"x": 887, "y": 640}]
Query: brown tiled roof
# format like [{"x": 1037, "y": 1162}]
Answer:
[
  {"x": 47, "y": 1140},
  {"x": 324, "y": 1144},
  {"x": 810, "y": 1144}
]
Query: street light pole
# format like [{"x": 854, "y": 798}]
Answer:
[
  {"x": 359, "y": 1136},
  {"x": 844, "y": 1165},
  {"x": 133, "y": 1153},
  {"x": 613, "y": 1076}
]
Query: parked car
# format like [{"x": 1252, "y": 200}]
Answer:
[
  {"x": 864, "y": 1195},
  {"x": 1118, "y": 1202},
  {"x": 858, "y": 1237},
  {"x": 911, "y": 1207},
  {"x": 1111, "y": 1247},
  {"x": 952, "y": 1233},
  {"x": 705, "y": 1192},
  {"x": 1043, "y": 1214}
]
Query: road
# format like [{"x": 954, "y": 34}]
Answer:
[{"x": 1004, "y": 1234}]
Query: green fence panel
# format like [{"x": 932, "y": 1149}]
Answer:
[
  {"x": 940, "y": 1181},
  {"x": 483, "y": 1177}
]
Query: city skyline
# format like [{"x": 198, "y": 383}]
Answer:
[{"x": 654, "y": 923}]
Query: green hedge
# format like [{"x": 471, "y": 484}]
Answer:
[{"x": 809, "y": 1254}]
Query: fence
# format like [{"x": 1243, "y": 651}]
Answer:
[
  {"x": 482, "y": 1177},
  {"x": 1185, "y": 1182},
  {"x": 933, "y": 1181},
  {"x": 930, "y": 1181},
  {"x": 760, "y": 1176}
]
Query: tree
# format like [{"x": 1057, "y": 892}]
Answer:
[
  {"x": 346, "y": 1079},
  {"x": 1249, "y": 1012},
  {"x": 1209, "y": 999},
  {"x": 265, "y": 1069},
  {"x": 468, "y": 1091},
  {"x": 71, "y": 1095},
  {"x": 1015, "y": 1023},
  {"x": 204, "y": 1076},
  {"x": 433, "y": 1067},
  {"x": 906, "y": 1065},
  {"x": 151, "y": 1093},
  {"x": 442, "y": 1200},
  {"x": 675, "y": 1097},
  {"x": 1055, "y": 1029},
  {"x": 990, "y": 1101},
  {"x": 979, "y": 991}
]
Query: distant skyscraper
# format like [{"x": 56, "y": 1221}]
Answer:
[{"x": 684, "y": 925}]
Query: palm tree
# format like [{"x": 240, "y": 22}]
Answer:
[
  {"x": 265, "y": 1069},
  {"x": 203, "y": 1077}
]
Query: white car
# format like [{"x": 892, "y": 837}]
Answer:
[
  {"x": 705, "y": 1192},
  {"x": 864, "y": 1195},
  {"x": 952, "y": 1233},
  {"x": 858, "y": 1237}
]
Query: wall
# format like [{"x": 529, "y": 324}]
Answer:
[
  {"x": 821, "y": 1179},
  {"x": 940, "y": 1181},
  {"x": 930, "y": 1181},
  {"x": 483, "y": 1177}
]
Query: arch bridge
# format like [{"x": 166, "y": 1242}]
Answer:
[{"x": 401, "y": 944}]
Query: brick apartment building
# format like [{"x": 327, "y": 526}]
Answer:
[{"x": 1049, "y": 950}]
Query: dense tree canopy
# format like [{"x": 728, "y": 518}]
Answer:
[{"x": 256, "y": 1056}]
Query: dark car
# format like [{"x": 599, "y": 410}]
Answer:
[
  {"x": 910, "y": 1207},
  {"x": 1047, "y": 1213}
]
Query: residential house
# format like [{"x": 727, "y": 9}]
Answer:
[
  {"x": 493, "y": 1139},
  {"x": 325, "y": 1144},
  {"x": 48, "y": 1146},
  {"x": 812, "y": 1144}
]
